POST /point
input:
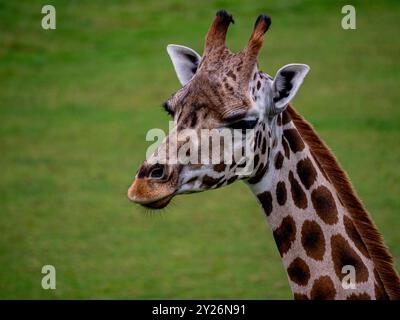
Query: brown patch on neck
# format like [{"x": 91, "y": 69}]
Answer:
[
  {"x": 382, "y": 259},
  {"x": 323, "y": 289}
]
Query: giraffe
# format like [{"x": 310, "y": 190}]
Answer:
[{"x": 319, "y": 224}]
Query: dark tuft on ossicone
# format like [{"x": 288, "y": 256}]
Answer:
[
  {"x": 225, "y": 16},
  {"x": 267, "y": 20}
]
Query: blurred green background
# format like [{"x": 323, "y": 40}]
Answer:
[{"x": 75, "y": 106}]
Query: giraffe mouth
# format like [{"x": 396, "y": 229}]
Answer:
[
  {"x": 158, "y": 204},
  {"x": 152, "y": 194}
]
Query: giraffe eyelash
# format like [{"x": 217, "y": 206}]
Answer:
[
  {"x": 167, "y": 108},
  {"x": 244, "y": 124}
]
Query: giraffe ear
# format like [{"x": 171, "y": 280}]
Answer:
[
  {"x": 287, "y": 82},
  {"x": 185, "y": 61}
]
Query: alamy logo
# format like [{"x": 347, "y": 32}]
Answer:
[
  {"x": 349, "y": 280},
  {"x": 49, "y": 280},
  {"x": 49, "y": 20},
  {"x": 349, "y": 20},
  {"x": 207, "y": 146}
]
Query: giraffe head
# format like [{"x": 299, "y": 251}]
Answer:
[{"x": 222, "y": 92}]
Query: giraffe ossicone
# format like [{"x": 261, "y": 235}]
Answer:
[{"x": 319, "y": 224}]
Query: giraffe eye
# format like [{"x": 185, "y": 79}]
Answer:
[{"x": 244, "y": 124}]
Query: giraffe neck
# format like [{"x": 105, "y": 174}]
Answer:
[{"x": 322, "y": 251}]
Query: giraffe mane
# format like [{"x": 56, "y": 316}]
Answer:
[{"x": 378, "y": 251}]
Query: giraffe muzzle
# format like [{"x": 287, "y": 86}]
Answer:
[{"x": 154, "y": 186}]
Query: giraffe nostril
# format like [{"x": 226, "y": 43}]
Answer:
[{"x": 157, "y": 172}]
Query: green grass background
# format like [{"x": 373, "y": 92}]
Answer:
[{"x": 76, "y": 103}]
